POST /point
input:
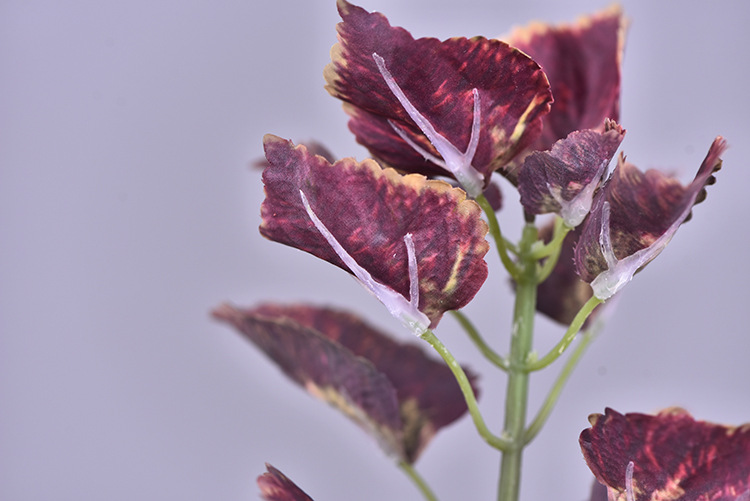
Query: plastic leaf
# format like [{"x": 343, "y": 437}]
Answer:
[
  {"x": 391, "y": 389},
  {"x": 582, "y": 61},
  {"x": 563, "y": 180},
  {"x": 461, "y": 107},
  {"x": 634, "y": 217},
  {"x": 275, "y": 486},
  {"x": 416, "y": 244},
  {"x": 668, "y": 456}
]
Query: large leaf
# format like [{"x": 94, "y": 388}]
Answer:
[
  {"x": 377, "y": 217},
  {"x": 667, "y": 457},
  {"x": 391, "y": 389},
  {"x": 582, "y": 62},
  {"x": 633, "y": 218},
  {"x": 460, "y": 107}
]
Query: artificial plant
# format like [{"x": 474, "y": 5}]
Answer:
[{"x": 440, "y": 119}]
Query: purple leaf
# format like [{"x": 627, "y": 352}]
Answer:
[
  {"x": 461, "y": 107},
  {"x": 582, "y": 61},
  {"x": 634, "y": 217},
  {"x": 669, "y": 456},
  {"x": 416, "y": 244},
  {"x": 563, "y": 179},
  {"x": 391, "y": 389},
  {"x": 275, "y": 486}
]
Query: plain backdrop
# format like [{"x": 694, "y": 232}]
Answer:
[{"x": 129, "y": 209}]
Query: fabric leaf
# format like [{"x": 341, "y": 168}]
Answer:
[
  {"x": 417, "y": 244},
  {"x": 583, "y": 63},
  {"x": 668, "y": 456},
  {"x": 563, "y": 179},
  {"x": 391, "y": 389},
  {"x": 460, "y": 107},
  {"x": 634, "y": 217}
]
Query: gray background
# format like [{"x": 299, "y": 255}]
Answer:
[{"x": 128, "y": 211}]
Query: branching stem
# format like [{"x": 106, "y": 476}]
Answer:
[{"x": 468, "y": 392}]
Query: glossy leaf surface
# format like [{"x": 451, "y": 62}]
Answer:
[{"x": 674, "y": 457}]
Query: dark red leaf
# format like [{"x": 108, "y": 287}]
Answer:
[
  {"x": 582, "y": 61},
  {"x": 673, "y": 457},
  {"x": 377, "y": 217},
  {"x": 461, "y": 107},
  {"x": 633, "y": 218},
  {"x": 391, "y": 389},
  {"x": 563, "y": 180}
]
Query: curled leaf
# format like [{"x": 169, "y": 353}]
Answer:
[
  {"x": 460, "y": 107},
  {"x": 563, "y": 180},
  {"x": 392, "y": 390},
  {"x": 668, "y": 456},
  {"x": 634, "y": 217},
  {"x": 416, "y": 244}
]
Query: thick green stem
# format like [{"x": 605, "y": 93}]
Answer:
[
  {"x": 418, "y": 481},
  {"x": 516, "y": 399},
  {"x": 468, "y": 392}
]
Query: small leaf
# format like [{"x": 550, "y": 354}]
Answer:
[
  {"x": 275, "y": 486},
  {"x": 563, "y": 179},
  {"x": 375, "y": 216},
  {"x": 583, "y": 63},
  {"x": 634, "y": 217},
  {"x": 461, "y": 107},
  {"x": 669, "y": 456},
  {"x": 391, "y": 389}
]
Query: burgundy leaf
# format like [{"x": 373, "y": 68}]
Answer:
[
  {"x": 669, "y": 456},
  {"x": 275, "y": 486},
  {"x": 633, "y": 218},
  {"x": 417, "y": 244},
  {"x": 563, "y": 179},
  {"x": 461, "y": 107},
  {"x": 391, "y": 389},
  {"x": 582, "y": 61}
]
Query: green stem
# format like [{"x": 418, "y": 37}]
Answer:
[
  {"x": 568, "y": 338},
  {"x": 468, "y": 392},
  {"x": 554, "y": 394},
  {"x": 479, "y": 341},
  {"x": 415, "y": 477},
  {"x": 553, "y": 250},
  {"x": 559, "y": 233},
  {"x": 502, "y": 247},
  {"x": 516, "y": 399}
]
